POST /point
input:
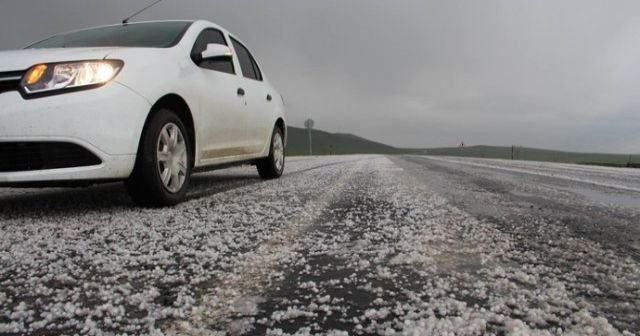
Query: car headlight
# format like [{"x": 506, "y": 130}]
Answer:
[{"x": 53, "y": 78}]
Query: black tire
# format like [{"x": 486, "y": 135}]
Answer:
[
  {"x": 269, "y": 167},
  {"x": 145, "y": 185}
]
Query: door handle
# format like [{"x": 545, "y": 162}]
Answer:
[
  {"x": 268, "y": 97},
  {"x": 240, "y": 92}
]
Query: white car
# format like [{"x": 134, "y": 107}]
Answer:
[{"x": 147, "y": 103}]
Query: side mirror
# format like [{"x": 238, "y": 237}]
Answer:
[{"x": 215, "y": 51}]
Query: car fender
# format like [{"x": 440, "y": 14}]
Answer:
[{"x": 156, "y": 73}]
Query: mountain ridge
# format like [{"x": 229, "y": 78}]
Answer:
[{"x": 327, "y": 143}]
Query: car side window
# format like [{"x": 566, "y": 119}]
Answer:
[
  {"x": 256, "y": 69},
  {"x": 211, "y": 36},
  {"x": 247, "y": 63}
]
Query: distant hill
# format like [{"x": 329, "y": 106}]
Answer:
[
  {"x": 535, "y": 154},
  {"x": 325, "y": 143}
]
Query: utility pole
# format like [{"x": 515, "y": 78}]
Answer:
[
  {"x": 308, "y": 124},
  {"x": 512, "y": 148}
]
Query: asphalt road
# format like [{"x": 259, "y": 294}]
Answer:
[{"x": 344, "y": 245}]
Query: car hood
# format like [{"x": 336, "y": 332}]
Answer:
[{"x": 17, "y": 60}]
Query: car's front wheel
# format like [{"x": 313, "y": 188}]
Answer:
[
  {"x": 273, "y": 165},
  {"x": 163, "y": 167}
]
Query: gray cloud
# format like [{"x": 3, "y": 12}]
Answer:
[{"x": 553, "y": 74}]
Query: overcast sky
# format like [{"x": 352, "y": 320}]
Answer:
[{"x": 552, "y": 74}]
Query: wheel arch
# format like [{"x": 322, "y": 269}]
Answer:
[{"x": 177, "y": 104}]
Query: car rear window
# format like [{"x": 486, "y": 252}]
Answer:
[{"x": 148, "y": 34}]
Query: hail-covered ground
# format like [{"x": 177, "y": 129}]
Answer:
[{"x": 338, "y": 246}]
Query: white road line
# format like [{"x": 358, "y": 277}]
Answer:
[{"x": 525, "y": 171}]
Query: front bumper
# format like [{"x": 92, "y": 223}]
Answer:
[
  {"x": 117, "y": 167},
  {"x": 106, "y": 121}
]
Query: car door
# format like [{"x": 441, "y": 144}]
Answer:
[
  {"x": 223, "y": 108},
  {"x": 258, "y": 97}
]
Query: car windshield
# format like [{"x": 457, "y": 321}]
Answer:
[{"x": 145, "y": 35}]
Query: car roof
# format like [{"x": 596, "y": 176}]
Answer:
[
  {"x": 192, "y": 22},
  {"x": 141, "y": 22}
]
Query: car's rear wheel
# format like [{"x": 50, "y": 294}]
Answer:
[
  {"x": 273, "y": 165},
  {"x": 163, "y": 167}
]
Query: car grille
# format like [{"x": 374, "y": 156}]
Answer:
[
  {"x": 10, "y": 81},
  {"x": 28, "y": 156}
]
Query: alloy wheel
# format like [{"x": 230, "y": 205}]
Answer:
[
  {"x": 278, "y": 151},
  {"x": 172, "y": 157}
]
